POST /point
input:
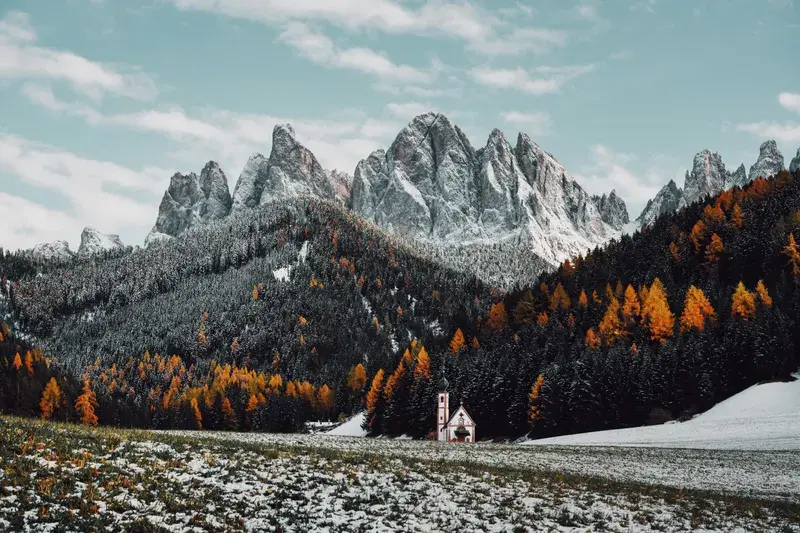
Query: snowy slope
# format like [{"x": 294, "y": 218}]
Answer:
[
  {"x": 351, "y": 428},
  {"x": 763, "y": 417}
]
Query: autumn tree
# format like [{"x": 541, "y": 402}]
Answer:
[
  {"x": 525, "y": 310},
  {"x": 357, "y": 378},
  {"x": 696, "y": 310},
  {"x": 423, "y": 366},
  {"x": 658, "y": 316},
  {"x": 743, "y": 303},
  {"x": 631, "y": 308},
  {"x": 583, "y": 301},
  {"x": 457, "y": 342},
  {"x": 197, "y": 417},
  {"x": 611, "y": 327},
  {"x": 714, "y": 248},
  {"x": 542, "y": 319},
  {"x": 737, "y": 217},
  {"x": 592, "y": 341},
  {"x": 559, "y": 299},
  {"x": 375, "y": 391},
  {"x": 793, "y": 253},
  {"x": 498, "y": 319},
  {"x": 325, "y": 400},
  {"x": 17, "y": 362},
  {"x": 698, "y": 235},
  {"x": 534, "y": 413},
  {"x": 763, "y": 294},
  {"x": 85, "y": 405},
  {"x": 51, "y": 399}
]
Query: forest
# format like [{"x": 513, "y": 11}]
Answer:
[{"x": 652, "y": 327}]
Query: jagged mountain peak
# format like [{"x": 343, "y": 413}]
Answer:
[
  {"x": 94, "y": 241},
  {"x": 58, "y": 250},
  {"x": 191, "y": 200},
  {"x": 707, "y": 176},
  {"x": 769, "y": 162}
]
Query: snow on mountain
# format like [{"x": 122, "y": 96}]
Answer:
[
  {"x": 52, "y": 250},
  {"x": 795, "y": 164},
  {"x": 769, "y": 162},
  {"x": 192, "y": 200},
  {"x": 737, "y": 178},
  {"x": 291, "y": 170},
  {"x": 93, "y": 242},
  {"x": 666, "y": 200},
  {"x": 612, "y": 209},
  {"x": 432, "y": 185}
]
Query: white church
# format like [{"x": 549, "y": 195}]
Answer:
[{"x": 457, "y": 428}]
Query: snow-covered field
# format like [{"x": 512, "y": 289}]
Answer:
[
  {"x": 763, "y": 417},
  {"x": 67, "y": 478}
]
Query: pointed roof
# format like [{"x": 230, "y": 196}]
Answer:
[{"x": 462, "y": 409}]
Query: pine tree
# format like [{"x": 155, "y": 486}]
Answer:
[
  {"x": 763, "y": 294},
  {"x": 559, "y": 299},
  {"x": 375, "y": 392},
  {"x": 423, "y": 366},
  {"x": 743, "y": 303},
  {"x": 325, "y": 400},
  {"x": 533, "y": 400},
  {"x": 357, "y": 378},
  {"x": 698, "y": 235},
  {"x": 714, "y": 249},
  {"x": 51, "y": 399},
  {"x": 592, "y": 341},
  {"x": 85, "y": 405},
  {"x": 793, "y": 253},
  {"x": 631, "y": 309},
  {"x": 17, "y": 362},
  {"x": 583, "y": 301},
  {"x": 737, "y": 218},
  {"x": 197, "y": 418}
]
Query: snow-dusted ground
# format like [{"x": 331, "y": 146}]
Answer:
[
  {"x": 74, "y": 479},
  {"x": 763, "y": 417},
  {"x": 351, "y": 428}
]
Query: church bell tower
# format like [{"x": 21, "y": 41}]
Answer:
[{"x": 442, "y": 411}]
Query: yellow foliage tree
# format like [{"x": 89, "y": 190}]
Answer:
[
  {"x": 375, "y": 390},
  {"x": 197, "y": 417},
  {"x": 423, "y": 366},
  {"x": 534, "y": 413},
  {"x": 592, "y": 340},
  {"x": 698, "y": 235},
  {"x": 457, "y": 342},
  {"x": 51, "y": 399},
  {"x": 793, "y": 253},
  {"x": 737, "y": 217},
  {"x": 357, "y": 378},
  {"x": 559, "y": 299},
  {"x": 763, "y": 294},
  {"x": 325, "y": 399},
  {"x": 498, "y": 319},
  {"x": 631, "y": 307},
  {"x": 611, "y": 327},
  {"x": 85, "y": 405},
  {"x": 714, "y": 248},
  {"x": 657, "y": 313},
  {"x": 696, "y": 310},
  {"x": 583, "y": 301},
  {"x": 542, "y": 319},
  {"x": 17, "y": 362},
  {"x": 743, "y": 303}
]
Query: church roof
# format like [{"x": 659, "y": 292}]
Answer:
[
  {"x": 454, "y": 417},
  {"x": 443, "y": 384}
]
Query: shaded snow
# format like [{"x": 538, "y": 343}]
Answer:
[
  {"x": 763, "y": 417},
  {"x": 351, "y": 428}
]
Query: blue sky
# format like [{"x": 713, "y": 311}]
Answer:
[{"x": 104, "y": 99}]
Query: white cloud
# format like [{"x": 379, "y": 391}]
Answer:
[
  {"x": 534, "y": 123},
  {"x": 90, "y": 190},
  {"x": 790, "y": 101},
  {"x": 409, "y": 110},
  {"x": 320, "y": 49},
  {"x": 20, "y": 58},
  {"x": 482, "y": 30},
  {"x": 644, "y": 6},
  {"x": 610, "y": 170},
  {"x": 586, "y": 11},
  {"x": 786, "y": 132},
  {"x": 540, "y": 80}
]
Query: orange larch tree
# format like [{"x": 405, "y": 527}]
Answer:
[
  {"x": 423, "y": 366},
  {"x": 631, "y": 307},
  {"x": 659, "y": 317},
  {"x": 85, "y": 405},
  {"x": 611, "y": 327},
  {"x": 498, "y": 319},
  {"x": 375, "y": 390},
  {"x": 763, "y": 294},
  {"x": 583, "y": 301},
  {"x": 737, "y": 217},
  {"x": 559, "y": 299},
  {"x": 698, "y": 235},
  {"x": 743, "y": 303},
  {"x": 457, "y": 342},
  {"x": 696, "y": 310},
  {"x": 357, "y": 378},
  {"x": 51, "y": 399},
  {"x": 793, "y": 253},
  {"x": 592, "y": 340},
  {"x": 714, "y": 248},
  {"x": 17, "y": 362},
  {"x": 534, "y": 413},
  {"x": 325, "y": 400}
]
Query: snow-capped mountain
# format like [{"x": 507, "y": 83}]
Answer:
[
  {"x": 709, "y": 176},
  {"x": 291, "y": 170},
  {"x": 58, "y": 250},
  {"x": 192, "y": 200},
  {"x": 93, "y": 242},
  {"x": 667, "y": 200},
  {"x": 433, "y": 185},
  {"x": 769, "y": 162}
]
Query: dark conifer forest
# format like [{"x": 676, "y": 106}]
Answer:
[{"x": 301, "y": 311}]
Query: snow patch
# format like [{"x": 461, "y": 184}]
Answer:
[{"x": 351, "y": 428}]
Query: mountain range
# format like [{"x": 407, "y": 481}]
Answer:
[{"x": 432, "y": 186}]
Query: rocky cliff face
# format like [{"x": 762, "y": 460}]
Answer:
[
  {"x": 769, "y": 162},
  {"x": 737, "y": 178},
  {"x": 433, "y": 185},
  {"x": 192, "y": 200},
  {"x": 795, "y": 164},
  {"x": 667, "y": 200},
  {"x": 56, "y": 250},
  {"x": 94, "y": 242},
  {"x": 291, "y": 170},
  {"x": 707, "y": 177},
  {"x": 612, "y": 209}
]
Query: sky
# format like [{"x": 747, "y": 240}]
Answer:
[{"x": 103, "y": 100}]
